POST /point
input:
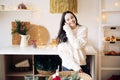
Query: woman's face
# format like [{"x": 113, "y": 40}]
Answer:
[{"x": 70, "y": 20}]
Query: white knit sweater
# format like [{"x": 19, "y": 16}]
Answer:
[{"x": 72, "y": 52}]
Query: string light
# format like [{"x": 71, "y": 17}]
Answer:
[
  {"x": 116, "y": 4},
  {"x": 103, "y": 17}
]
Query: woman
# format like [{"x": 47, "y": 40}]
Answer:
[{"x": 72, "y": 39}]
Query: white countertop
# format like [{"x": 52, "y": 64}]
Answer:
[{"x": 45, "y": 50}]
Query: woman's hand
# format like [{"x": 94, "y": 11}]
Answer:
[
  {"x": 80, "y": 71},
  {"x": 67, "y": 24},
  {"x": 66, "y": 27}
]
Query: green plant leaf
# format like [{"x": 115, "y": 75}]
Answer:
[{"x": 20, "y": 28}]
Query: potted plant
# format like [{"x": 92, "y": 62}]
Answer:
[
  {"x": 21, "y": 29},
  {"x": 46, "y": 65}
]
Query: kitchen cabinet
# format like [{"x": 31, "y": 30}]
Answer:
[{"x": 15, "y": 54}]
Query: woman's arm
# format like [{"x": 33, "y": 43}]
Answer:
[
  {"x": 82, "y": 36},
  {"x": 67, "y": 58},
  {"x": 78, "y": 40},
  {"x": 71, "y": 37}
]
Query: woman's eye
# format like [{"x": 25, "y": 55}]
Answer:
[
  {"x": 72, "y": 17},
  {"x": 67, "y": 19}
]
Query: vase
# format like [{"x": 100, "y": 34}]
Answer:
[{"x": 24, "y": 40}]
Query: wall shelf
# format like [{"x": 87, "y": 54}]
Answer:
[
  {"x": 19, "y": 73},
  {"x": 110, "y": 10},
  {"x": 110, "y": 25},
  {"x": 15, "y": 10},
  {"x": 104, "y": 68},
  {"x": 109, "y": 34}
]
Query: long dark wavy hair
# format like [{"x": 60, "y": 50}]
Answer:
[{"x": 62, "y": 34}]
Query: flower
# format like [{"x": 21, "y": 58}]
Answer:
[{"x": 20, "y": 28}]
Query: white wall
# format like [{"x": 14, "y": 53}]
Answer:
[{"x": 87, "y": 15}]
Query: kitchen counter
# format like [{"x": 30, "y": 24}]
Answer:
[
  {"x": 43, "y": 50},
  {"x": 50, "y": 50}
]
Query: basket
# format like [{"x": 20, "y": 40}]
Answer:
[
  {"x": 84, "y": 76},
  {"x": 43, "y": 72}
]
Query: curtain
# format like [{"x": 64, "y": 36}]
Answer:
[{"x": 59, "y": 6}]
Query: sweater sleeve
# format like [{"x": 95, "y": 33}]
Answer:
[
  {"x": 82, "y": 36},
  {"x": 68, "y": 59},
  {"x": 78, "y": 40}
]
